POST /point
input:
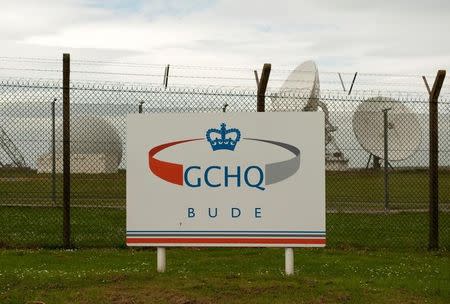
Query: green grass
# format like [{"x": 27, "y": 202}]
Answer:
[
  {"x": 352, "y": 190},
  {"x": 223, "y": 276},
  {"x": 364, "y": 190},
  {"x": 346, "y": 272},
  {"x": 36, "y": 227},
  {"x": 36, "y": 189}
]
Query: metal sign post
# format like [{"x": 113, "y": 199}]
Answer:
[
  {"x": 289, "y": 261},
  {"x": 161, "y": 259}
]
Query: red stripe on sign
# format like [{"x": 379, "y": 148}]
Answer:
[
  {"x": 225, "y": 241},
  {"x": 170, "y": 172}
]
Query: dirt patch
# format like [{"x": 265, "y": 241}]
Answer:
[{"x": 120, "y": 294}]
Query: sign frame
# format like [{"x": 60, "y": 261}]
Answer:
[{"x": 314, "y": 121}]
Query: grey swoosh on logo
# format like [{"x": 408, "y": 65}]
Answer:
[{"x": 276, "y": 172}]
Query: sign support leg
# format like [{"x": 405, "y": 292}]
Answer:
[
  {"x": 289, "y": 261},
  {"x": 161, "y": 259}
]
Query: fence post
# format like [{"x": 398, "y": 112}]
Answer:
[
  {"x": 342, "y": 82},
  {"x": 262, "y": 86},
  {"x": 426, "y": 85},
  {"x": 166, "y": 76},
  {"x": 256, "y": 78},
  {"x": 66, "y": 150},
  {"x": 386, "y": 159},
  {"x": 53, "y": 152},
  {"x": 261, "y": 107},
  {"x": 433, "y": 241},
  {"x": 353, "y": 82}
]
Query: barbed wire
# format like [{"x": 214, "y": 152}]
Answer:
[
  {"x": 197, "y": 67},
  {"x": 36, "y": 59},
  {"x": 30, "y": 69},
  {"x": 360, "y": 83},
  {"x": 187, "y": 76},
  {"x": 118, "y": 85}
]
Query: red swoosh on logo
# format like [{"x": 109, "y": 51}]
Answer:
[{"x": 170, "y": 172}]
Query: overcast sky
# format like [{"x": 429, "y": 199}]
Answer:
[{"x": 368, "y": 36}]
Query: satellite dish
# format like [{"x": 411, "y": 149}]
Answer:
[
  {"x": 404, "y": 130},
  {"x": 300, "y": 91}
]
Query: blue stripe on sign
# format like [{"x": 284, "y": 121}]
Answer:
[{"x": 222, "y": 231}]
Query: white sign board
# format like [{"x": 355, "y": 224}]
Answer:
[{"x": 226, "y": 179}]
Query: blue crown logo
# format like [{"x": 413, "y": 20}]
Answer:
[{"x": 223, "y": 139}]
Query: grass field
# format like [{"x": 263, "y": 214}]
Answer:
[
  {"x": 223, "y": 276},
  {"x": 354, "y": 201},
  {"x": 35, "y": 227},
  {"x": 345, "y": 191},
  {"x": 371, "y": 256}
]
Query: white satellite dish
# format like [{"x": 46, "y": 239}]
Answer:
[
  {"x": 300, "y": 91},
  {"x": 404, "y": 130}
]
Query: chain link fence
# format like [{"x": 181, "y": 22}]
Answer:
[{"x": 363, "y": 210}]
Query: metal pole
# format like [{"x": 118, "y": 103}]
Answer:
[
  {"x": 433, "y": 241},
  {"x": 53, "y": 153},
  {"x": 376, "y": 162},
  {"x": 66, "y": 150},
  {"x": 342, "y": 82},
  {"x": 166, "y": 76},
  {"x": 256, "y": 78},
  {"x": 368, "y": 161},
  {"x": 289, "y": 261},
  {"x": 161, "y": 259},
  {"x": 426, "y": 85},
  {"x": 386, "y": 159},
  {"x": 353, "y": 82}
]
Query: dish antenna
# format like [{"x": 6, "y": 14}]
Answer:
[
  {"x": 403, "y": 128},
  {"x": 300, "y": 91},
  {"x": 8, "y": 146},
  {"x": 334, "y": 157}
]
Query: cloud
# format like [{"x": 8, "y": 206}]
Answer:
[{"x": 383, "y": 36}]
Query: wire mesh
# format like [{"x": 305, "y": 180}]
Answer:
[{"x": 358, "y": 212}]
